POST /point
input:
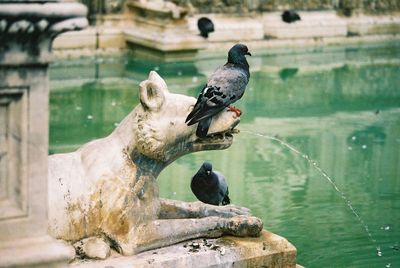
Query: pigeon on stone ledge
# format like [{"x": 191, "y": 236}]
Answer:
[
  {"x": 290, "y": 16},
  {"x": 205, "y": 26},
  {"x": 210, "y": 186},
  {"x": 225, "y": 86}
]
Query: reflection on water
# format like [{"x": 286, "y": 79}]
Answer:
[{"x": 340, "y": 108}]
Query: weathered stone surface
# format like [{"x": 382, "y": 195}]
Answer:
[
  {"x": 351, "y": 7},
  {"x": 274, "y": 5},
  {"x": 311, "y": 25},
  {"x": 268, "y": 250}
]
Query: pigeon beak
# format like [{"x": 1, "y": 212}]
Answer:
[{"x": 248, "y": 53}]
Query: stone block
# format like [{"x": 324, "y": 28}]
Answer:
[
  {"x": 231, "y": 28},
  {"x": 312, "y": 25},
  {"x": 76, "y": 40},
  {"x": 373, "y": 25},
  {"x": 161, "y": 28},
  {"x": 268, "y": 250}
]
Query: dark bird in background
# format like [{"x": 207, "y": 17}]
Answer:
[
  {"x": 205, "y": 26},
  {"x": 287, "y": 73},
  {"x": 290, "y": 16},
  {"x": 210, "y": 186},
  {"x": 225, "y": 86}
]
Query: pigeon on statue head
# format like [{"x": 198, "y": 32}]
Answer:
[{"x": 225, "y": 86}]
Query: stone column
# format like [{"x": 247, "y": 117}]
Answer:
[{"x": 27, "y": 29}]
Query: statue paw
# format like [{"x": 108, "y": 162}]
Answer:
[
  {"x": 244, "y": 226},
  {"x": 228, "y": 211},
  {"x": 92, "y": 248}
]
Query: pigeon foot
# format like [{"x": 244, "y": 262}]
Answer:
[{"x": 237, "y": 111}]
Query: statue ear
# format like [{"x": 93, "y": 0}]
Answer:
[
  {"x": 152, "y": 92},
  {"x": 151, "y": 96}
]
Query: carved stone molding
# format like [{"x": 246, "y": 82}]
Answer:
[
  {"x": 13, "y": 153},
  {"x": 27, "y": 30}
]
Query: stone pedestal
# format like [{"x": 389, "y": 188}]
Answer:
[
  {"x": 26, "y": 33},
  {"x": 268, "y": 250}
]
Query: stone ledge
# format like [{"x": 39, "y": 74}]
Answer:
[
  {"x": 231, "y": 28},
  {"x": 269, "y": 250},
  {"x": 42, "y": 251},
  {"x": 370, "y": 25},
  {"x": 312, "y": 24}
]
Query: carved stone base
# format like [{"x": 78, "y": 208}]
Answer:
[
  {"x": 163, "y": 29},
  {"x": 269, "y": 250},
  {"x": 35, "y": 252}
]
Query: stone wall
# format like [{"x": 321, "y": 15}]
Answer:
[
  {"x": 369, "y": 6},
  {"x": 347, "y": 7}
]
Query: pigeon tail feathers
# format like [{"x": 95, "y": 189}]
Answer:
[
  {"x": 226, "y": 200},
  {"x": 203, "y": 127}
]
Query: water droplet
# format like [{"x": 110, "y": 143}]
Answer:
[
  {"x": 387, "y": 228},
  {"x": 194, "y": 79},
  {"x": 353, "y": 138},
  {"x": 179, "y": 73},
  {"x": 156, "y": 68},
  {"x": 78, "y": 108},
  {"x": 378, "y": 251},
  {"x": 174, "y": 193},
  {"x": 90, "y": 117},
  {"x": 116, "y": 124},
  {"x": 364, "y": 146},
  {"x": 388, "y": 265},
  {"x": 113, "y": 103},
  {"x": 350, "y": 148}
]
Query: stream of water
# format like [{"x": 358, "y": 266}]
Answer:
[{"x": 326, "y": 176}]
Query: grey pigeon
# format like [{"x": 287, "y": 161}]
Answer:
[
  {"x": 225, "y": 86},
  {"x": 290, "y": 16},
  {"x": 210, "y": 186},
  {"x": 205, "y": 26}
]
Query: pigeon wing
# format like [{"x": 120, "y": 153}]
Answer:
[
  {"x": 225, "y": 86},
  {"x": 231, "y": 80}
]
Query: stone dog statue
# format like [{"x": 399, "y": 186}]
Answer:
[{"x": 107, "y": 188}]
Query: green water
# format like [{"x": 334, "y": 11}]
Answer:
[{"x": 340, "y": 108}]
